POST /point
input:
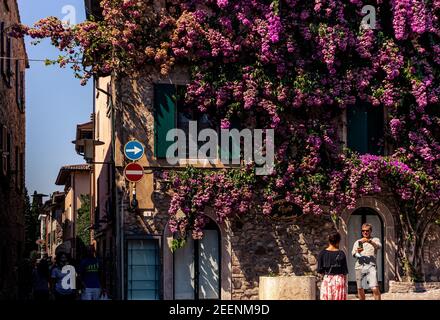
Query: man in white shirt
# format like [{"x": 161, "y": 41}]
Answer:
[{"x": 365, "y": 251}]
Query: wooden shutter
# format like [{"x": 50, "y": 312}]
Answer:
[
  {"x": 229, "y": 153},
  {"x": 357, "y": 128},
  {"x": 22, "y": 94},
  {"x": 17, "y": 167},
  {"x": 164, "y": 117},
  {"x": 5, "y": 149},
  {"x": 2, "y": 49},
  {"x": 365, "y": 128},
  {"x": 17, "y": 84},
  {"x": 21, "y": 164},
  {"x": 9, "y": 154},
  {"x": 1, "y": 149},
  {"x": 9, "y": 68},
  {"x": 375, "y": 129}
]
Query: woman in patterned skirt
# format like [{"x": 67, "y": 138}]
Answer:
[{"x": 332, "y": 263}]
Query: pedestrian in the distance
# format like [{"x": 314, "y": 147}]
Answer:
[
  {"x": 90, "y": 274},
  {"x": 332, "y": 263},
  {"x": 57, "y": 277},
  {"x": 365, "y": 251},
  {"x": 40, "y": 280}
]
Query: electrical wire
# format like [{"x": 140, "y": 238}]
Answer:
[{"x": 35, "y": 60}]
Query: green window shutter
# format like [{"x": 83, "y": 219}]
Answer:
[
  {"x": 375, "y": 130},
  {"x": 357, "y": 134},
  {"x": 164, "y": 117},
  {"x": 229, "y": 154}
]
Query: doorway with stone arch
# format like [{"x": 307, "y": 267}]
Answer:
[
  {"x": 202, "y": 269},
  {"x": 357, "y": 219},
  {"x": 382, "y": 217}
]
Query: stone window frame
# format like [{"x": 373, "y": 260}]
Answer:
[
  {"x": 196, "y": 259},
  {"x": 156, "y": 238},
  {"x": 225, "y": 266}
]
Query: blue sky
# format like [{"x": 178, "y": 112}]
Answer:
[{"x": 55, "y": 102}]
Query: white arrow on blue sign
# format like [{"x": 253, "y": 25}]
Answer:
[{"x": 134, "y": 150}]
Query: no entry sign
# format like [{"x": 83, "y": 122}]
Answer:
[{"x": 133, "y": 172}]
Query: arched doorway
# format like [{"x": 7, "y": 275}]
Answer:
[
  {"x": 357, "y": 218},
  {"x": 389, "y": 245},
  {"x": 197, "y": 267},
  {"x": 203, "y": 268}
]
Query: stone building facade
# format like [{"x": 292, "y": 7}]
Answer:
[
  {"x": 248, "y": 247},
  {"x": 240, "y": 250},
  {"x": 76, "y": 182},
  {"x": 52, "y": 212},
  {"x": 13, "y": 62}
]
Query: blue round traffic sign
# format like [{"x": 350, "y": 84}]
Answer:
[{"x": 134, "y": 150}]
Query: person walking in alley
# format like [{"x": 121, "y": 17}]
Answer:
[
  {"x": 90, "y": 274},
  {"x": 332, "y": 263},
  {"x": 57, "y": 277},
  {"x": 40, "y": 280},
  {"x": 365, "y": 250}
]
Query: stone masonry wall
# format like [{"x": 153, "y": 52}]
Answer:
[
  {"x": 431, "y": 255},
  {"x": 260, "y": 246},
  {"x": 12, "y": 122},
  {"x": 263, "y": 246}
]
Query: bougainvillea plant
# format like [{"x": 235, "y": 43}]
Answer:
[{"x": 293, "y": 66}]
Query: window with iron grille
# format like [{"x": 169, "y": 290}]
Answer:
[{"x": 143, "y": 270}]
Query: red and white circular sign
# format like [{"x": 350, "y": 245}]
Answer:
[{"x": 133, "y": 172}]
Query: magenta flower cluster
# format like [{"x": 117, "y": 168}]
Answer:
[{"x": 293, "y": 66}]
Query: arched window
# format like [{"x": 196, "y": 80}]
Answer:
[{"x": 197, "y": 266}]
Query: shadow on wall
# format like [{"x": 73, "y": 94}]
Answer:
[
  {"x": 431, "y": 255},
  {"x": 136, "y": 95},
  {"x": 264, "y": 247}
]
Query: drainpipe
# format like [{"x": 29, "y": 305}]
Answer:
[
  {"x": 92, "y": 173},
  {"x": 117, "y": 204},
  {"x": 73, "y": 186}
]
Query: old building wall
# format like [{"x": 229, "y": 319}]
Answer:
[
  {"x": 82, "y": 187},
  {"x": 12, "y": 143},
  {"x": 259, "y": 246},
  {"x": 262, "y": 246},
  {"x": 431, "y": 255}
]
